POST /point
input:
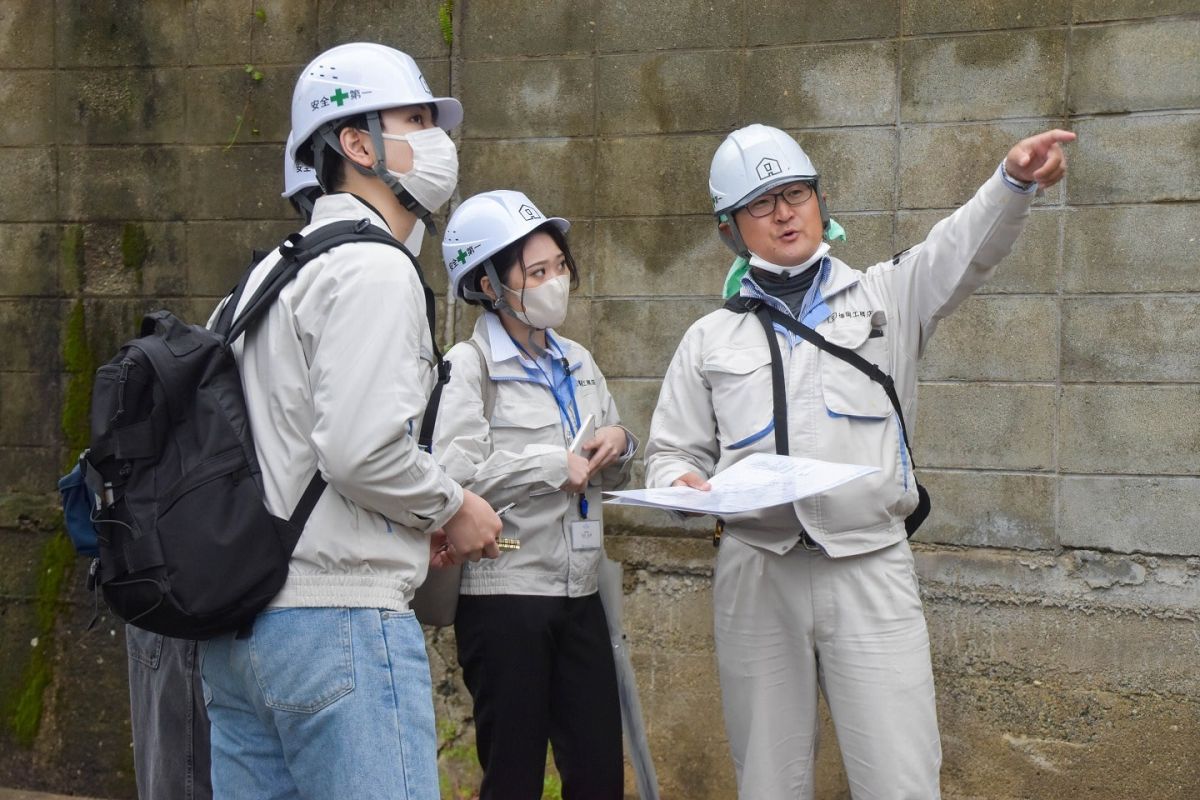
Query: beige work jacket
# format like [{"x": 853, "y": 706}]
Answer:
[
  {"x": 715, "y": 406},
  {"x": 519, "y": 456}
]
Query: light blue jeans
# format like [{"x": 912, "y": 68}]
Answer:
[{"x": 322, "y": 704}]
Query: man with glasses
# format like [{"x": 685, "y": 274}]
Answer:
[{"x": 812, "y": 358}]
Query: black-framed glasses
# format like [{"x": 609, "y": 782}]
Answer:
[{"x": 794, "y": 195}]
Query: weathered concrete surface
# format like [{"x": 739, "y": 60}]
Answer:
[
  {"x": 995, "y": 338},
  {"x": 1049, "y": 667},
  {"x": 1031, "y": 268},
  {"x": 983, "y": 76},
  {"x": 1058, "y": 417},
  {"x": 931, "y": 16},
  {"x": 1133, "y": 248},
  {"x": 20, "y": 794}
]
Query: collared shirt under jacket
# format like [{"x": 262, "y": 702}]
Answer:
[
  {"x": 716, "y": 407},
  {"x": 519, "y": 456}
]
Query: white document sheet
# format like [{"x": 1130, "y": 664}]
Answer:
[{"x": 758, "y": 481}]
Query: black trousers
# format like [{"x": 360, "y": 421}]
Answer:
[{"x": 541, "y": 669}]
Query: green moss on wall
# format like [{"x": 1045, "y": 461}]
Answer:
[
  {"x": 25, "y": 715},
  {"x": 72, "y": 253},
  {"x": 80, "y": 365},
  {"x": 23, "y": 711},
  {"x": 134, "y": 247},
  {"x": 446, "y": 21}
]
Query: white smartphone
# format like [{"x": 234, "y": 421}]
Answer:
[{"x": 587, "y": 432}]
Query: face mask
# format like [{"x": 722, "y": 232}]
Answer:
[
  {"x": 545, "y": 305},
  {"x": 434, "y": 173},
  {"x": 763, "y": 264},
  {"x": 413, "y": 242}
]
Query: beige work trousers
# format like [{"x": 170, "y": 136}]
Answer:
[{"x": 852, "y": 626}]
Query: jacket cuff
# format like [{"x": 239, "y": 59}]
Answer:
[
  {"x": 1020, "y": 187},
  {"x": 631, "y": 444},
  {"x": 454, "y": 502}
]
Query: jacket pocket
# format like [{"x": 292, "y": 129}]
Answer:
[
  {"x": 848, "y": 391},
  {"x": 742, "y": 395},
  {"x": 514, "y": 427}
]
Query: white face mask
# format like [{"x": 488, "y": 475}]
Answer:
[
  {"x": 434, "y": 173},
  {"x": 767, "y": 266},
  {"x": 413, "y": 242},
  {"x": 545, "y": 305}
]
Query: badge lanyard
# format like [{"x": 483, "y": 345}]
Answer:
[{"x": 564, "y": 410}]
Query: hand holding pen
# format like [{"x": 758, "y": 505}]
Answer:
[{"x": 442, "y": 554}]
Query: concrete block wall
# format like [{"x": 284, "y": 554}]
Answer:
[{"x": 1059, "y": 406}]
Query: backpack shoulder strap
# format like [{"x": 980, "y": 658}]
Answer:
[
  {"x": 487, "y": 390},
  {"x": 295, "y": 251},
  {"x": 225, "y": 318},
  {"x": 487, "y": 387}
]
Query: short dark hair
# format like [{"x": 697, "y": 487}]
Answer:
[
  {"x": 333, "y": 167},
  {"x": 512, "y": 255}
]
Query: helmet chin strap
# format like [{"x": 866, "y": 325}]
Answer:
[
  {"x": 733, "y": 237},
  {"x": 378, "y": 169},
  {"x": 501, "y": 306}
]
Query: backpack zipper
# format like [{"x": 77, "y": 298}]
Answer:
[{"x": 122, "y": 379}]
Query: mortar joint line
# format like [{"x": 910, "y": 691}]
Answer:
[
  {"x": 454, "y": 68},
  {"x": 595, "y": 147},
  {"x": 1056, "y": 444},
  {"x": 897, "y": 170}
]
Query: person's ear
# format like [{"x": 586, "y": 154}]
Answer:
[
  {"x": 485, "y": 286},
  {"x": 357, "y": 146},
  {"x": 723, "y": 223}
]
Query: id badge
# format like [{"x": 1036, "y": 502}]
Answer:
[{"x": 586, "y": 535}]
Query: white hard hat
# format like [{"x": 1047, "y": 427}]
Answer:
[
  {"x": 753, "y": 160},
  {"x": 296, "y": 177},
  {"x": 352, "y": 79},
  {"x": 483, "y": 225}
]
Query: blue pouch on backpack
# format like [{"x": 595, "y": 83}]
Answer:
[{"x": 78, "y": 501}]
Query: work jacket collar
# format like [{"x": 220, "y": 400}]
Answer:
[
  {"x": 840, "y": 278},
  {"x": 343, "y": 205},
  {"x": 507, "y": 359}
]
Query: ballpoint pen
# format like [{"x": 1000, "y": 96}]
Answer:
[{"x": 502, "y": 542}]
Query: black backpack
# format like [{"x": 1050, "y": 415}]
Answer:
[{"x": 187, "y": 546}]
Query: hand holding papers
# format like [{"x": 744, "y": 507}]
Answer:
[{"x": 757, "y": 481}]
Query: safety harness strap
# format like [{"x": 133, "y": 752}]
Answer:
[{"x": 768, "y": 317}]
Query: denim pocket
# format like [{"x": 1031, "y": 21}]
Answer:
[
  {"x": 302, "y": 657},
  {"x": 144, "y": 647}
]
